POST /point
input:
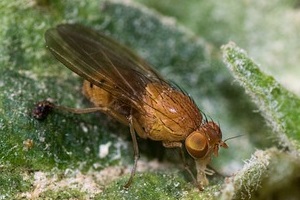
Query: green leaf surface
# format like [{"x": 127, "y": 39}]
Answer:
[
  {"x": 271, "y": 172},
  {"x": 267, "y": 174},
  {"x": 280, "y": 107},
  {"x": 70, "y": 156}
]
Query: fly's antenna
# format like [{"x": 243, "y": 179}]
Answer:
[{"x": 230, "y": 138}]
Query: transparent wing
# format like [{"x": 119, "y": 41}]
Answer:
[{"x": 102, "y": 61}]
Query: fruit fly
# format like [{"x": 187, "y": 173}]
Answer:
[{"x": 125, "y": 87}]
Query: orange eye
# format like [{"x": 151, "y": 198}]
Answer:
[{"x": 196, "y": 144}]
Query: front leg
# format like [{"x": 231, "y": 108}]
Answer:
[
  {"x": 168, "y": 144},
  {"x": 201, "y": 167}
]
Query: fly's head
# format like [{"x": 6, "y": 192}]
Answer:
[{"x": 201, "y": 143}]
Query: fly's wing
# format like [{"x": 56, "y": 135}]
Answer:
[{"x": 102, "y": 61}]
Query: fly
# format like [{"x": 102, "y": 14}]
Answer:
[{"x": 125, "y": 87}]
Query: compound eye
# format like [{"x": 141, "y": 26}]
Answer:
[{"x": 196, "y": 145}]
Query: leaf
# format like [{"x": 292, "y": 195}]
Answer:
[
  {"x": 267, "y": 173},
  {"x": 280, "y": 107},
  {"x": 259, "y": 177},
  {"x": 59, "y": 157}
]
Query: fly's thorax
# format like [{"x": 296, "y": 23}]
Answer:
[
  {"x": 170, "y": 115},
  {"x": 206, "y": 140}
]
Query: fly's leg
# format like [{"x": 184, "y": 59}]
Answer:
[
  {"x": 135, "y": 151},
  {"x": 185, "y": 164},
  {"x": 43, "y": 108},
  {"x": 201, "y": 167}
]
